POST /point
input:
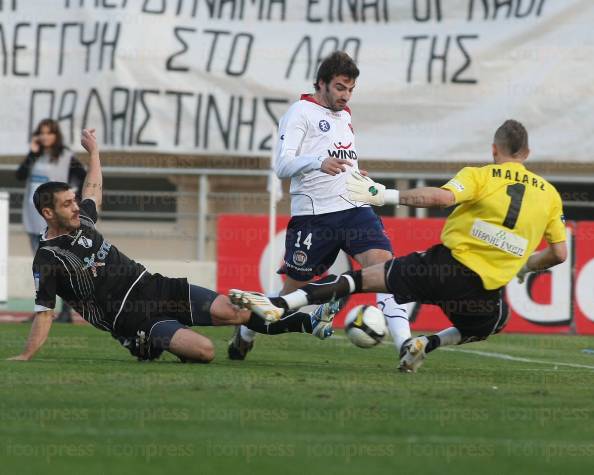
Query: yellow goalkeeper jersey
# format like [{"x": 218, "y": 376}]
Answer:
[{"x": 502, "y": 215}]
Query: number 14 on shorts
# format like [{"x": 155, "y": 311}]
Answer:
[{"x": 306, "y": 241}]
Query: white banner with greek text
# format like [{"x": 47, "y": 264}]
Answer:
[{"x": 214, "y": 76}]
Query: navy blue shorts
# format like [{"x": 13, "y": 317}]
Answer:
[{"x": 314, "y": 241}]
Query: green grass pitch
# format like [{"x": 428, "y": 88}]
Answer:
[{"x": 296, "y": 405}]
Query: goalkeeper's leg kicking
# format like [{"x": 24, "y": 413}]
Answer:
[{"x": 432, "y": 277}]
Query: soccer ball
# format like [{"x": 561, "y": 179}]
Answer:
[{"x": 365, "y": 326}]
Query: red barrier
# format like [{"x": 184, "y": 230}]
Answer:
[
  {"x": 544, "y": 305},
  {"x": 584, "y": 279}
]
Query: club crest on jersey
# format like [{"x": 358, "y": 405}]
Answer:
[
  {"x": 91, "y": 264},
  {"x": 85, "y": 242},
  {"x": 299, "y": 258},
  {"x": 324, "y": 125}
]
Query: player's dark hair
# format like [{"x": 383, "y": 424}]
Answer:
[
  {"x": 337, "y": 64},
  {"x": 44, "y": 194},
  {"x": 58, "y": 147},
  {"x": 511, "y": 137}
]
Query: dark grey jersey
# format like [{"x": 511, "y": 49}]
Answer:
[{"x": 86, "y": 270}]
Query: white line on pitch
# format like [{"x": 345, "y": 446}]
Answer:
[{"x": 503, "y": 356}]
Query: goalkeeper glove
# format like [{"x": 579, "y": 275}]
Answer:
[{"x": 364, "y": 189}]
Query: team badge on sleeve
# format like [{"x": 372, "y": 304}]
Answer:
[{"x": 324, "y": 125}]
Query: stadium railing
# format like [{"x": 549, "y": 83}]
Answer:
[{"x": 200, "y": 208}]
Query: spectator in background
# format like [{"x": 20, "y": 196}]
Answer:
[{"x": 48, "y": 160}]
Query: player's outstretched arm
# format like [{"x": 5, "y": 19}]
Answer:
[
  {"x": 93, "y": 185},
  {"x": 427, "y": 197},
  {"x": 362, "y": 188},
  {"x": 553, "y": 255},
  {"x": 37, "y": 336}
]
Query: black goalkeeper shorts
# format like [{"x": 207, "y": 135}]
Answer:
[{"x": 435, "y": 277}]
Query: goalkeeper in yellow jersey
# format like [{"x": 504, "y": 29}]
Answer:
[{"x": 503, "y": 212}]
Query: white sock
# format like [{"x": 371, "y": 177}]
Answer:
[
  {"x": 449, "y": 336},
  {"x": 296, "y": 299},
  {"x": 396, "y": 318},
  {"x": 247, "y": 334}
]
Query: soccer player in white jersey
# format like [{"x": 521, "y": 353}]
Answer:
[{"x": 316, "y": 150}]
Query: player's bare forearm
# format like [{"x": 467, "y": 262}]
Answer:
[
  {"x": 427, "y": 197},
  {"x": 93, "y": 185},
  {"x": 37, "y": 336},
  {"x": 551, "y": 256}
]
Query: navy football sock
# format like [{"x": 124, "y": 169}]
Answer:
[{"x": 296, "y": 322}]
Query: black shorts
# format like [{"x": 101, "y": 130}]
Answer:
[
  {"x": 313, "y": 242},
  {"x": 157, "y": 307},
  {"x": 435, "y": 277}
]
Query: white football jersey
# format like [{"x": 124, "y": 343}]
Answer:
[{"x": 308, "y": 134}]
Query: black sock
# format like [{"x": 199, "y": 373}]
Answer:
[
  {"x": 257, "y": 324},
  {"x": 434, "y": 343},
  {"x": 279, "y": 302},
  {"x": 329, "y": 288},
  {"x": 296, "y": 322},
  {"x": 358, "y": 278}
]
